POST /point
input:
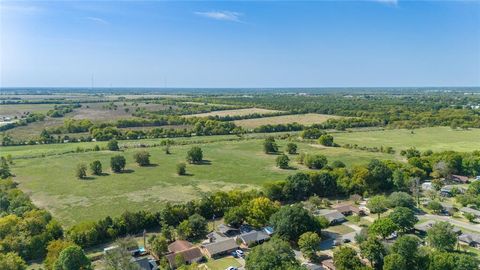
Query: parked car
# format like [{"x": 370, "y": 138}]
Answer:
[
  {"x": 231, "y": 268},
  {"x": 239, "y": 253}
]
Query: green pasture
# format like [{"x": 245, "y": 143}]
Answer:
[{"x": 433, "y": 138}]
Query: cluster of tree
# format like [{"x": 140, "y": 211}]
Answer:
[
  {"x": 61, "y": 110},
  {"x": 279, "y": 128},
  {"x": 444, "y": 164},
  {"x": 406, "y": 252},
  {"x": 25, "y": 120},
  {"x": 25, "y": 231},
  {"x": 170, "y": 216},
  {"x": 375, "y": 149},
  {"x": 300, "y": 186},
  {"x": 335, "y": 179},
  {"x": 470, "y": 197},
  {"x": 5, "y": 163},
  {"x": 406, "y": 111}
]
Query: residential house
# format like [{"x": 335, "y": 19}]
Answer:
[
  {"x": 268, "y": 230},
  {"x": 227, "y": 231},
  {"x": 348, "y": 208},
  {"x": 448, "y": 209},
  {"x": 146, "y": 263},
  {"x": 253, "y": 237},
  {"x": 427, "y": 186},
  {"x": 450, "y": 190},
  {"x": 185, "y": 250},
  {"x": 328, "y": 264},
  {"x": 422, "y": 228},
  {"x": 459, "y": 179},
  {"x": 220, "y": 247},
  {"x": 470, "y": 239},
  {"x": 312, "y": 266},
  {"x": 469, "y": 210},
  {"x": 333, "y": 216}
]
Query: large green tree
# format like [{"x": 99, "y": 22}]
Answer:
[
  {"x": 195, "y": 155},
  {"x": 291, "y": 221},
  {"x": 404, "y": 218},
  {"x": 377, "y": 204},
  {"x": 72, "y": 258},
  {"x": 142, "y": 158},
  {"x": 345, "y": 258},
  {"x": 275, "y": 254},
  {"x": 394, "y": 261},
  {"x": 259, "y": 211},
  {"x": 374, "y": 251},
  {"x": 11, "y": 261},
  {"x": 117, "y": 163},
  {"x": 309, "y": 244},
  {"x": 441, "y": 236},
  {"x": 383, "y": 227}
]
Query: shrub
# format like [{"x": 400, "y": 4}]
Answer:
[
  {"x": 117, "y": 163},
  {"x": 96, "y": 167},
  {"x": 282, "y": 161},
  {"x": 315, "y": 161},
  {"x": 112, "y": 145},
  {"x": 142, "y": 158},
  {"x": 195, "y": 155},
  {"x": 181, "y": 168},
  {"x": 81, "y": 171}
]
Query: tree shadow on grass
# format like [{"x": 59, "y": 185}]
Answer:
[
  {"x": 203, "y": 162},
  {"x": 128, "y": 171},
  {"x": 87, "y": 178},
  {"x": 151, "y": 165}
]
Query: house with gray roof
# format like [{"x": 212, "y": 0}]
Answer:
[
  {"x": 253, "y": 237},
  {"x": 333, "y": 216},
  {"x": 220, "y": 247},
  {"x": 470, "y": 239},
  {"x": 469, "y": 210}
]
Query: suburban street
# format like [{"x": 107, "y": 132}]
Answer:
[{"x": 458, "y": 223}]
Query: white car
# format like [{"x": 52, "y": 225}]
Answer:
[
  {"x": 239, "y": 253},
  {"x": 231, "y": 268}
]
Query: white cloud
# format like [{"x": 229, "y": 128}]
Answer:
[
  {"x": 97, "y": 20},
  {"x": 221, "y": 15}
]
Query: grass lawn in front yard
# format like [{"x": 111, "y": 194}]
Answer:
[
  {"x": 222, "y": 263},
  {"x": 340, "y": 229}
]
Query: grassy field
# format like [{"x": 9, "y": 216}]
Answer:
[
  {"x": 239, "y": 112},
  {"x": 435, "y": 139},
  {"x": 20, "y": 109},
  {"x": 51, "y": 182},
  {"x": 46, "y": 172},
  {"x": 304, "y": 119}
]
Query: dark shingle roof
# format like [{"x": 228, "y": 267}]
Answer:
[
  {"x": 221, "y": 246},
  {"x": 253, "y": 236}
]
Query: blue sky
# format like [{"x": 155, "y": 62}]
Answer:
[{"x": 240, "y": 44}]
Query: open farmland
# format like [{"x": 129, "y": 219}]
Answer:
[
  {"x": 230, "y": 164},
  {"x": 434, "y": 138},
  {"x": 304, "y": 119},
  {"x": 10, "y": 110},
  {"x": 238, "y": 112}
]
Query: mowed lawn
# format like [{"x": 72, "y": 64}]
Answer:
[
  {"x": 236, "y": 112},
  {"x": 304, "y": 119},
  {"x": 434, "y": 138},
  {"x": 51, "y": 183}
]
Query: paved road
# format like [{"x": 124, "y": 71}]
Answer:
[{"x": 458, "y": 223}]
